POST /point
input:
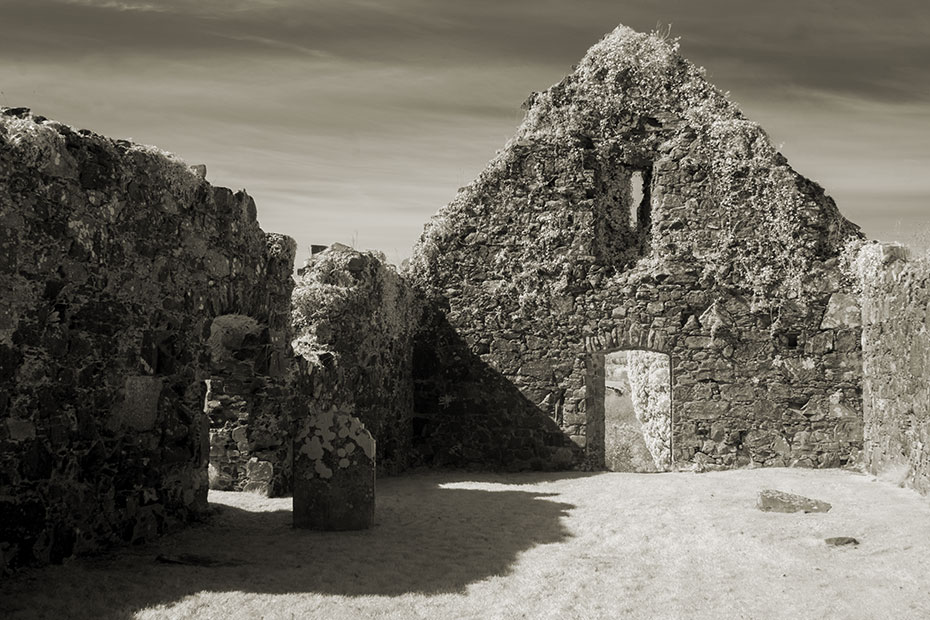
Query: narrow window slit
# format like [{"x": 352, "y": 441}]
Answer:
[{"x": 637, "y": 193}]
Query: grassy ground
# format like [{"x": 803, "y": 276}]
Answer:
[{"x": 526, "y": 546}]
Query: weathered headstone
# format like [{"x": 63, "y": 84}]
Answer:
[{"x": 334, "y": 473}]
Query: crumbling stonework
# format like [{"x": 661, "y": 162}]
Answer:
[
  {"x": 147, "y": 323},
  {"x": 250, "y": 438},
  {"x": 373, "y": 352},
  {"x": 896, "y": 363},
  {"x": 650, "y": 385},
  {"x": 467, "y": 415},
  {"x": 115, "y": 259},
  {"x": 354, "y": 318},
  {"x": 636, "y": 208}
]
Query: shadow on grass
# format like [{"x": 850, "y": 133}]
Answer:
[{"x": 430, "y": 537}]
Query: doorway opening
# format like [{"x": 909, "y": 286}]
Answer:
[
  {"x": 248, "y": 440},
  {"x": 629, "y": 401}
]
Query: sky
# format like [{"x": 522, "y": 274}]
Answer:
[{"x": 356, "y": 120}]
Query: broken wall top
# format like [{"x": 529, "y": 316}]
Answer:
[
  {"x": 111, "y": 199},
  {"x": 633, "y": 103}
]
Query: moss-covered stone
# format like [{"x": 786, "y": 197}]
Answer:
[{"x": 354, "y": 320}]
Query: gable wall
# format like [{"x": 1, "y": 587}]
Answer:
[{"x": 535, "y": 266}]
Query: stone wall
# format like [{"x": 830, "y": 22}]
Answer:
[
  {"x": 115, "y": 259},
  {"x": 250, "y": 439},
  {"x": 354, "y": 320},
  {"x": 373, "y": 350},
  {"x": 896, "y": 363},
  {"x": 466, "y": 414},
  {"x": 635, "y": 209},
  {"x": 725, "y": 259}
]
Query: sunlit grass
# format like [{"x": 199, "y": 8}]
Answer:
[{"x": 526, "y": 546}]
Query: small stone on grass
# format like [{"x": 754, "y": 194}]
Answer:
[{"x": 771, "y": 500}]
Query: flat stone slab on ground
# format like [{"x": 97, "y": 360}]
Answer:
[{"x": 771, "y": 500}]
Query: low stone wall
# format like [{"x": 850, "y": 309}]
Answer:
[
  {"x": 115, "y": 259},
  {"x": 896, "y": 363}
]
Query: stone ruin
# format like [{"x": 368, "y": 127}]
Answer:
[
  {"x": 153, "y": 342},
  {"x": 117, "y": 266},
  {"x": 637, "y": 209},
  {"x": 894, "y": 288}
]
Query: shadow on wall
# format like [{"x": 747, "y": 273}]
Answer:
[
  {"x": 428, "y": 539},
  {"x": 467, "y": 414}
]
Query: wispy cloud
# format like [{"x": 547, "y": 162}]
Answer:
[
  {"x": 878, "y": 50},
  {"x": 272, "y": 44},
  {"x": 202, "y": 7},
  {"x": 120, "y": 6},
  {"x": 362, "y": 117}
]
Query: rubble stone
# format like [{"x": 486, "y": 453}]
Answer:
[
  {"x": 896, "y": 361},
  {"x": 771, "y": 500},
  {"x": 354, "y": 320}
]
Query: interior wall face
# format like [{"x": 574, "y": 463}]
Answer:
[
  {"x": 250, "y": 447},
  {"x": 531, "y": 302},
  {"x": 114, "y": 261}
]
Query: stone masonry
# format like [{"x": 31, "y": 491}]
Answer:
[
  {"x": 245, "y": 403},
  {"x": 354, "y": 320},
  {"x": 115, "y": 261},
  {"x": 150, "y": 343},
  {"x": 896, "y": 363},
  {"x": 636, "y": 208}
]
